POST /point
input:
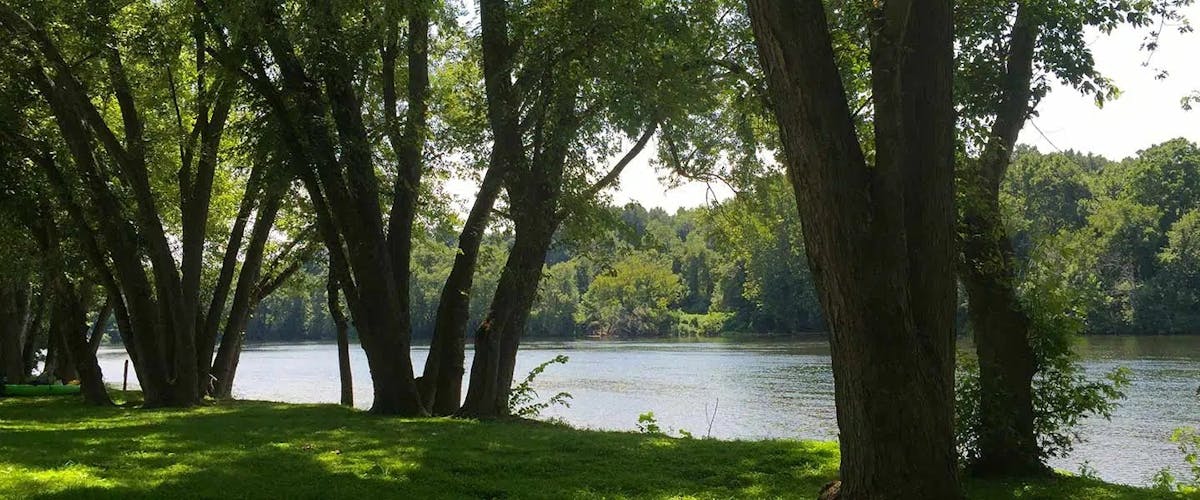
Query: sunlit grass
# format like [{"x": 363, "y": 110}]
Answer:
[{"x": 58, "y": 448}]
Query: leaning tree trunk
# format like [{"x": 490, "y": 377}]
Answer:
[
  {"x": 534, "y": 194},
  {"x": 343, "y": 340},
  {"x": 337, "y": 166},
  {"x": 224, "y": 367},
  {"x": 880, "y": 235},
  {"x": 1007, "y": 440},
  {"x": 210, "y": 324},
  {"x": 508, "y": 152},
  {"x": 97, "y": 335},
  {"x": 69, "y": 325},
  {"x": 68, "y": 322},
  {"x": 444, "y": 368},
  {"x": 497, "y": 338}
]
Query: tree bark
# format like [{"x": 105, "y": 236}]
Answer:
[
  {"x": 508, "y": 152},
  {"x": 340, "y": 176},
  {"x": 444, "y": 368},
  {"x": 880, "y": 237},
  {"x": 210, "y": 324},
  {"x": 14, "y": 309},
  {"x": 343, "y": 340},
  {"x": 69, "y": 326},
  {"x": 224, "y": 367},
  {"x": 68, "y": 322},
  {"x": 97, "y": 335},
  {"x": 407, "y": 146},
  {"x": 497, "y": 338},
  {"x": 29, "y": 350},
  {"x": 534, "y": 195},
  {"x": 1007, "y": 441}
]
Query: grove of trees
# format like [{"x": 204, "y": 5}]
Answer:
[{"x": 184, "y": 176}]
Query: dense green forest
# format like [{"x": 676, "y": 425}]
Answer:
[{"x": 1125, "y": 235}]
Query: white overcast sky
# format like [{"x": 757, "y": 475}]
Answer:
[{"x": 1146, "y": 113}]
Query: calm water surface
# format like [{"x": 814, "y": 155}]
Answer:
[{"x": 758, "y": 389}]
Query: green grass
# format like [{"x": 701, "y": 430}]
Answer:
[{"x": 58, "y": 448}]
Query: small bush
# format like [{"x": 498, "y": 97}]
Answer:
[
  {"x": 522, "y": 399},
  {"x": 699, "y": 325},
  {"x": 647, "y": 424}
]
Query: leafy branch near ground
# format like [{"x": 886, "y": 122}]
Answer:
[
  {"x": 1187, "y": 440},
  {"x": 522, "y": 399}
]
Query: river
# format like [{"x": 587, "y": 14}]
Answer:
[{"x": 758, "y": 389}]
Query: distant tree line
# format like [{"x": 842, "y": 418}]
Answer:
[{"x": 1126, "y": 233}]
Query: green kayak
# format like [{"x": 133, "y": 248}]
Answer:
[{"x": 39, "y": 390}]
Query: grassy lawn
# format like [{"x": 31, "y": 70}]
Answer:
[{"x": 57, "y": 448}]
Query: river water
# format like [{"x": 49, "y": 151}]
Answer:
[{"x": 757, "y": 389}]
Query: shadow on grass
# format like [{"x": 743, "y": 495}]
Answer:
[
  {"x": 61, "y": 449},
  {"x": 58, "y": 448}
]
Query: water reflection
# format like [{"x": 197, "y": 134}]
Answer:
[{"x": 776, "y": 389}]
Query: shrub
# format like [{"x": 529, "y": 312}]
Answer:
[{"x": 522, "y": 399}]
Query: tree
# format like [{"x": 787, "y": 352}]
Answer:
[
  {"x": 567, "y": 82},
  {"x": 163, "y": 304},
  {"x": 1139, "y": 206},
  {"x": 343, "y": 341},
  {"x": 1179, "y": 281},
  {"x": 767, "y": 283},
  {"x": 308, "y": 84},
  {"x": 879, "y": 234},
  {"x": 1008, "y": 51},
  {"x": 68, "y": 324},
  {"x": 633, "y": 298}
]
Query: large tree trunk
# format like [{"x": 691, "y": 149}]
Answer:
[
  {"x": 508, "y": 151},
  {"x": 68, "y": 322},
  {"x": 444, "y": 368},
  {"x": 497, "y": 338},
  {"x": 534, "y": 194},
  {"x": 408, "y": 147},
  {"x": 343, "y": 340},
  {"x": 1006, "y": 438},
  {"x": 879, "y": 237},
  {"x": 340, "y": 177},
  {"x": 69, "y": 325},
  {"x": 1007, "y": 441},
  {"x": 15, "y": 306}
]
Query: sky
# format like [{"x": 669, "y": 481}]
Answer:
[{"x": 1148, "y": 112}]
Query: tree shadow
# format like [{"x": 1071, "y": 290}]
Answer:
[{"x": 58, "y": 449}]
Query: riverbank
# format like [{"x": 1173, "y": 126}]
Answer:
[{"x": 246, "y": 449}]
